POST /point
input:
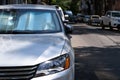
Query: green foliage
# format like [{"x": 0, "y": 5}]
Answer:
[
  {"x": 75, "y": 4},
  {"x": 53, "y": 2},
  {"x": 68, "y": 4},
  {"x": 65, "y": 4}
]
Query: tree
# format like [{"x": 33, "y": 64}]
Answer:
[
  {"x": 34, "y": 1},
  {"x": 75, "y": 6},
  {"x": 65, "y": 4}
]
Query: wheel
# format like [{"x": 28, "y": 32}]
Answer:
[
  {"x": 118, "y": 28},
  {"x": 90, "y": 22},
  {"x": 102, "y": 25},
  {"x": 111, "y": 28}
]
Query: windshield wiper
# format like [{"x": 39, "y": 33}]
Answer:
[
  {"x": 23, "y": 32},
  {"x": 26, "y": 31},
  {"x": 33, "y": 31},
  {"x": 5, "y": 32},
  {"x": 17, "y": 32}
]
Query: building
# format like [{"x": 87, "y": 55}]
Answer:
[
  {"x": 111, "y": 5},
  {"x": 105, "y": 5},
  {"x": 116, "y": 5},
  {"x": 99, "y": 7}
]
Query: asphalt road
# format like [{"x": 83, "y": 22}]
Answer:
[{"x": 97, "y": 53}]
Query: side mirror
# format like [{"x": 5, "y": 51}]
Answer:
[
  {"x": 69, "y": 28},
  {"x": 108, "y": 15}
]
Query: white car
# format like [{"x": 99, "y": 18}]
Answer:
[
  {"x": 94, "y": 19},
  {"x": 111, "y": 19},
  {"x": 34, "y": 44}
]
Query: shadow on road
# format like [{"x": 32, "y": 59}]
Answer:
[
  {"x": 90, "y": 60},
  {"x": 96, "y": 63},
  {"x": 79, "y": 30}
]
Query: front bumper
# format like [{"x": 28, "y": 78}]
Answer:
[
  {"x": 115, "y": 24},
  {"x": 95, "y": 21},
  {"x": 64, "y": 75}
]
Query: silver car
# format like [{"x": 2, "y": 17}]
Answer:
[{"x": 34, "y": 44}]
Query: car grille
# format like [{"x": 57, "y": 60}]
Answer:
[{"x": 17, "y": 73}]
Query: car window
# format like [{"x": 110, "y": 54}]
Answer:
[
  {"x": 29, "y": 20},
  {"x": 95, "y": 17},
  {"x": 116, "y": 14}
]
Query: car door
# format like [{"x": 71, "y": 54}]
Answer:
[{"x": 107, "y": 18}]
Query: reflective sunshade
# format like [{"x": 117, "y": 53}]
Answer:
[{"x": 28, "y": 20}]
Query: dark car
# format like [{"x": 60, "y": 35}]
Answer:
[
  {"x": 71, "y": 17},
  {"x": 86, "y": 18},
  {"x": 80, "y": 17}
]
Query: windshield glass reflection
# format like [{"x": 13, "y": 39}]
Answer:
[{"x": 28, "y": 21}]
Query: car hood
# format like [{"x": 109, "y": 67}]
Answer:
[{"x": 29, "y": 50}]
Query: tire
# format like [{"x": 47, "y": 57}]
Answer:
[
  {"x": 118, "y": 28},
  {"x": 111, "y": 28},
  {"x": 102, "y": 25}
]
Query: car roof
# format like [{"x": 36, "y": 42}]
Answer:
[
  {"x": 114, "y": 11},
  {"x": 95, "y": 16},
  {"x": 27, "y": 6}
]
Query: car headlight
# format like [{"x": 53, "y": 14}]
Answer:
[{"x": 53, "y": 66}]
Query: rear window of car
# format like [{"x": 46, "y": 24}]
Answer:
[
  {"x": 29, "y": 20},
  {"x": 95, "y": 17},
  {"x": 116, "y": 14}
]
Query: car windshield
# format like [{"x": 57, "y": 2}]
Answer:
[
  {"x": 28, "y": 21},
  {"x": 116, "y": 14}
]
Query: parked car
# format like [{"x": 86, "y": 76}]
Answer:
[
  {"x": 71, "y": 17},
  {"x": 80, "y": 17},
  {"x": 34, "y": 44},
  {"x": 95, "y": 19},
  {"x": 86, "y": 18},
  {"x": 111, "y": 20}
]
